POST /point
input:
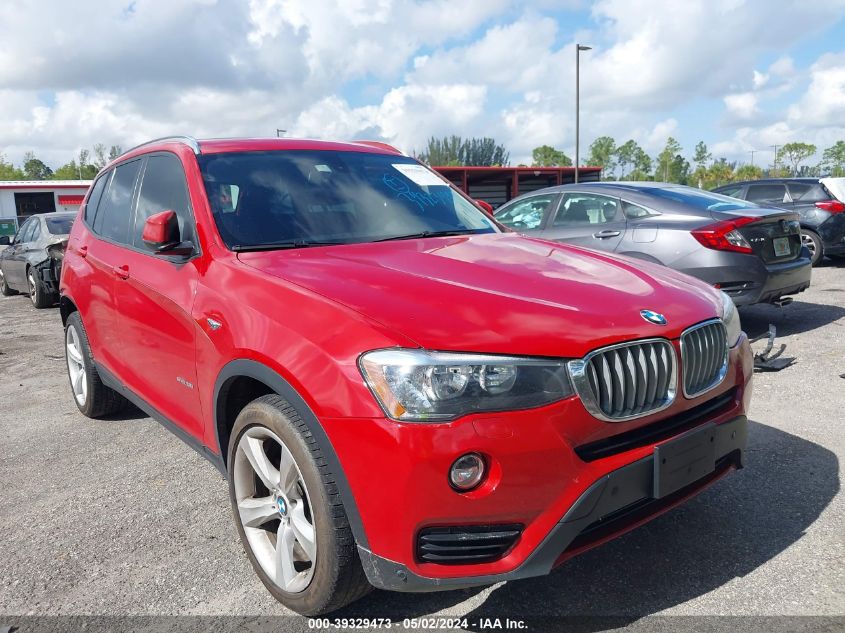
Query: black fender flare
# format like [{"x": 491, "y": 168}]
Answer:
[{"x": 264, "y": 374}]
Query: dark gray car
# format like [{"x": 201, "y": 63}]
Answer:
[
  {"x": 819, "y": 203},
  {"x": 753, "y": 253},
  {"x": 31, "y": 262}
]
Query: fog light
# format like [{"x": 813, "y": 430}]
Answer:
[{"x": 467, "y": 472}]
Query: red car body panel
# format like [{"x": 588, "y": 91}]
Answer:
[{"x": 308, "y": 314}]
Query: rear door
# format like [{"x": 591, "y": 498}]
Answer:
[
  {"x": 14, "y": 262},
  {"x": 154, "y": 295},
  {"x": 769, "y": 194},
  {"x": 588, "y": 219}
]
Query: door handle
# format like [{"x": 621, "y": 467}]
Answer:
[
  {"x": 121, "y": 271},
  {"x": 608, "y": 233},
  {"x": 83, "y": 251}
]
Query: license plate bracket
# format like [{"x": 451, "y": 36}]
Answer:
[
  {"x": 781, "y": 245},
  {"x": 685, "y": 459}
]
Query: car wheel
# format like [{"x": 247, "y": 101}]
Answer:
[
  {"x": 813, "y": 242},
  {"x": 92, "y": 397},
  {"x": 38, "y": 295},
  {"x": 4, "y": 287},
  {"x": 288, "y": 513}
]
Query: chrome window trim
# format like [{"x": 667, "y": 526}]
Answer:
[
  {"x": 578, "y": 374},
  {"x": 723, "y": 372}
]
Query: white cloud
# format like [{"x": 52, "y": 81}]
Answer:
[{"x": 742, "y": 106}]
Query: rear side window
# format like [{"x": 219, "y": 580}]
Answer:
[
  {"x": 35, "y": 233},
  {"x": 767, "y": 193},
  {"x": 115, "y": 209},
  {"x": 806, "y": 192},
  {"x": 586, "y": 209},
  {"x": 163, "y": 188},
  {"x": 29, "y": 230},
  {"x": 94, "y": 198}
]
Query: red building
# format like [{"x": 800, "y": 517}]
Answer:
[{"x": 497, "y": 185}]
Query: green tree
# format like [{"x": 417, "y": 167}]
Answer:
[
  {"x": 602, "y": 153},
  {"x": 795, "y": 153},
  {"x": 34, "y": 168},
  {"x": 665, "y": 160},
  {"x": 453, "y": 150},
  {"x": 8, "y": 171},
  {"x": 701, "y": 156},
  {"x": 679, "y": 170},
  {"x": 629, "y": 153},
  {"x": 68, "y": 171},
  {"x": 833, "y": 159},
  {"x": 548, "y": 156},
  {"x": 115, "y": 151},
  {"x": 748, "y": 172},
  {"x": 719, "y": 173}
]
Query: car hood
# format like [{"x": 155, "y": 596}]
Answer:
[{"x": 497, "y": 293}]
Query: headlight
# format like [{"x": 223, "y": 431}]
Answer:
[
  {"x": 730, "y": 317},
  {"x": 421, "y": 386}
]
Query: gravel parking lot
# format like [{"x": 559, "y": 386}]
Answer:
[{"x": 119, "y": 517}]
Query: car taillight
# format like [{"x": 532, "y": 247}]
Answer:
[
  {"x": 831, "y": 206},
  {"x": 725, "y": 235}
]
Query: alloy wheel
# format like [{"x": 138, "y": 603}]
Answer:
[
  {"x": 274, "y": 509},
  {"x": 809, "y": 242},
  {"x": 76, "y": 365},
  {"x": 33, "y": 291}
]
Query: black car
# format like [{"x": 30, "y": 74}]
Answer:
[
  {"x": 32, "y": 261},
  {"x": 819, "y": 202},
  {"x": 752, "y": 253}
]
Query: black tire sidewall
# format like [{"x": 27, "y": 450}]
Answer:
[{"x": 318, "y": 593}]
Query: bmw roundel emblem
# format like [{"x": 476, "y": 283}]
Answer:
[{"x": 653, "y": 317}]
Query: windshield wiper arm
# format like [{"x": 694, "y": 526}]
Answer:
[
  {"x": 422, "y": 234},
  {"x": 271, "y": 246}
]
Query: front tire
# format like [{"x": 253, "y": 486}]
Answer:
[
  {"x": 5, "y": 290},
  {"x": 814, "y": 244},
  {"x": 92, "y": 397},
  {"x": 288, "y": 513},
  {"x": 37, "y": 293}
]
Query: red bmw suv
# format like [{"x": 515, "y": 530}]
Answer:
[{"x": 400, "y": 393}]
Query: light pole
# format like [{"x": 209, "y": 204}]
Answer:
[
  {"x": 280, "y": 132},
  {"x": 578, "y": 49},
  {"x": 752, "y": 152}
]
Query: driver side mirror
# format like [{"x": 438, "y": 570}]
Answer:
[
  {"x": 161, "y": 235},
  {"x": 485, "y": 206},
  {"x": 5, "y": 240}
]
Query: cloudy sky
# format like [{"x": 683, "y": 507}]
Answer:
[{"x": 738, "y": 74}]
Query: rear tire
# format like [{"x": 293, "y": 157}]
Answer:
[
  {"x": 813, "y": 242},
  {"x": 37, "y": 293},
  {"x": 5, "y": 290},
  {"x": 287, "y": 510},
  {"x": 92, "y": 397}
]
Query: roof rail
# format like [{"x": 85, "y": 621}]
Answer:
[{"x": 190, "y": 141}]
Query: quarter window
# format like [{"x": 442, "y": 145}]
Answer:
[
  {"x": 115, "y": 209},
  {"x": 586, "y": 209},
  {"x": 526, "y": 214},
  {"x": 633, "y": 211},
  {"x": 163, "y": 188}
]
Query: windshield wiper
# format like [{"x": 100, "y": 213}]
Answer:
[
  {"x": 422, "y": 234},
  {"x": 271, "y": 246}
]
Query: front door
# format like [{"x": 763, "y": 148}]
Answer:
[
  {"x": 14, "y": 256},
  {"x": 587, "y": 219}
]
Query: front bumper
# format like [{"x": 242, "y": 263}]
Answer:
[{"x": 614, "y": 504}]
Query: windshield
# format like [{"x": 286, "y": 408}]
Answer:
[
  {"x": 300, "y": 198},
  {"x": 60, "y": 225},
  {"x": 706, "y": 200}
]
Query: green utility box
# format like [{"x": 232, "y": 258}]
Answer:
[{"x": 8, "y": 227}]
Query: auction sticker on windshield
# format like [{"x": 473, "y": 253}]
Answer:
[{"x": 419, "y": 174}]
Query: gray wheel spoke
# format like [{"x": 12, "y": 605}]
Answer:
[
  {"x": 285, "y": 572},
  {"x": 304, "y": 531},
  {"x": 254, "y": 451},
  {"x": 74, "y": 354},
  {"x": 256, "y": 512},
  {"x": 288, "y": 474}
]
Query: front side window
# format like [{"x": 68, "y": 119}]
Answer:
[
  {"x": 295, "y": 198},
  {"x": 94, "y": 198},
  {"x": 115, "y": 209},
  {"x": 163, "y": 188},
  {"x": 526, "y": 214},
  {"x": 586, "y": 209},
  {"x": 22, "y": 231},
  {"x": 28, "y": 230}
]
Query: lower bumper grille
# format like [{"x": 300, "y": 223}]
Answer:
[{"x": 461, "y": 545}]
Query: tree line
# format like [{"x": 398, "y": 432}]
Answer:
[
  {"x": 84, "y": 166},
  {"x": 629, "y": 161}
]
